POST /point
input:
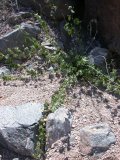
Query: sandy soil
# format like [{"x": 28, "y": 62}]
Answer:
[{"x": 17, "y": 92}]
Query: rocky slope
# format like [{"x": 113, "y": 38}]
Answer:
[{"x": 86, "y": 126}]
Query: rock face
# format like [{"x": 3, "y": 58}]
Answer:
[
  {"x": 58, "y": 125},
  {"x": 17, "y": 37},
  {"x": 107, "y": 13},
  {"x": 57, "y": 9},
  {"x": 96, "y": 138},
  {"x": 19, "y": 126}
]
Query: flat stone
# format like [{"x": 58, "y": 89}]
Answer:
[
  {"x": 19, "y": 127},
  {"x": 96, "y": 138}
]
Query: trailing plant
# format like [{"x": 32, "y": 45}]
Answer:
[
  {"x": 41, "y": 143},
  {"x": 59, "y": 96}
]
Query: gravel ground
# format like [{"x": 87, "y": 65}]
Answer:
[{"x": 89, "y": 106}]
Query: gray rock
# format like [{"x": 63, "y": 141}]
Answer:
[
  {"x": 96, "y": 138},
  {"x": 16, "y": 159},
  {"x": 58, "y": 125},
  {"x": 19, "y": 126},
  {"x": 4, "y": 71},
  {"x": 98, "y": 57},
  {"x": 17, "y": 38}
]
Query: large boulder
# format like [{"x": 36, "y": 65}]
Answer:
[
  {"x": 17, "y": 38},
  {"x": 19, "y": 127},
  {"x": 96, "y": 138},
  {"x": 106, "y": 14},
  {"x": 58, "y": 125},
  {"x": 57, "y": 9}
]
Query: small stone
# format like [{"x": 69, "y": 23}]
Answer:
[
  {"x": 51, "y": 76},
  {"x": 61, "y": 149},
  {"x": 58, "y": 75},
  {"x": 4, "y": 71},
  {"x": 74, "y": 95},
  {"x": 36, "y": 86},
  {"x": 118, "y": 107},
  {"x": 105, "y": 100},
  {"x": 114, "y": 112},
  {"x": 51, "y": 69}
]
